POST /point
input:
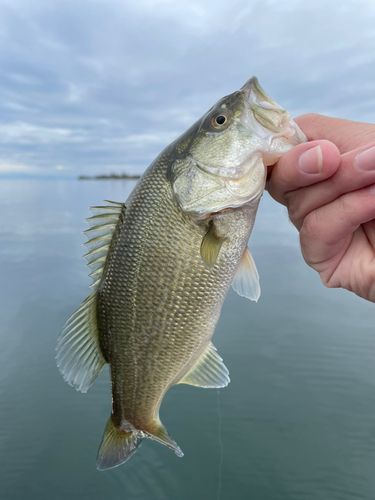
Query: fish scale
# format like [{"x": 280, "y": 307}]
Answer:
[
  {"x": 162, "y": 264},
  {"x": 136, "y": 319}
]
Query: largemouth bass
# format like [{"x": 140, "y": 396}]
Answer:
[{"x": 163, "y": 262}]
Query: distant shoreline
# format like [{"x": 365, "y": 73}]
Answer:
[{"x": 111, "y": 176}]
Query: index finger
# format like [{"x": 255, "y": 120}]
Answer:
[{"x": 346, "y": 134}]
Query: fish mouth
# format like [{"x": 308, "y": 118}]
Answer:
[
  {"x": 273, "y": 122},
  {"x": 255, "y": 94}
]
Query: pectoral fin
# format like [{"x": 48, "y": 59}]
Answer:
[
  {"x": 246, "y": 280},
  {"x": 210, "y": 246},
  {"x": 208, "y": 371}
]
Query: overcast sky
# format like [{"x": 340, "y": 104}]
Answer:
[{"x": 100, "y": 86}]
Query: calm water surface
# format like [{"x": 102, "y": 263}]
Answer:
[{"x": 296, "y": 422}]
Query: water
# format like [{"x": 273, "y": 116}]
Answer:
[{"x": 296, "y": 421}]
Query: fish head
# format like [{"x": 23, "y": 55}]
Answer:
[{"x": 225, "y": 156}]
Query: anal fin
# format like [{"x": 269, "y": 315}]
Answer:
[
  {"x": 246, "y": 280},
  {"x": 208, "y": 371}
]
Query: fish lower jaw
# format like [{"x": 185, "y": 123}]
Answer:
[
  {"x": 238, "y": 205},
  {"x": 212, "y": 215}
]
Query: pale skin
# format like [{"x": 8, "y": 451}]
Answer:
[{"x": 330, "y": 197}]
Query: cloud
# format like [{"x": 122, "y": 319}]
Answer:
[
  {"x": 143, "y": 140},
  {"x": 17, "y": 168},
  {"x": 26, "y": 133},
  {"x": 91, "y": 84},
  {"x": 23, "y": 79}
]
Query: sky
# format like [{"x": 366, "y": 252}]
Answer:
[{"x": 92, "y": 87}]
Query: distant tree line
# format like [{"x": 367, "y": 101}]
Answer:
[{"x": 109, "y": 176}]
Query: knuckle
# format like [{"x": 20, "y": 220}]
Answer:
[
  {"x": 275, "y": 191},
  {"x": 344, "y": 210},
  {"x": 293, "y": 204},
  {"x": 310, "y": 228},
  {"x": 328, "y": 280},
  {"x": 342, "y": 207}
]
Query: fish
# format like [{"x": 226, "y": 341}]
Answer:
[{"x": 163, "y": 262}]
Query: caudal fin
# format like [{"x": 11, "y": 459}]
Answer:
[
  {"x": 161, "y": 436},
  {"x": 116, "y": 447}
]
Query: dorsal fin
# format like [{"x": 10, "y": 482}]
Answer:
[
  {"x": 103, "y": 225},
  {"x": 208, "y": 371},
  {"x": 79, "y": 356}
]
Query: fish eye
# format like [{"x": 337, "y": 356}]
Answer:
[{"x": 219, "y": 120}]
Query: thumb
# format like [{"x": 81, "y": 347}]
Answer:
[{"x": 302, "y": 166}]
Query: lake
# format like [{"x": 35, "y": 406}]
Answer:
[{"x": 297, "y": 420}]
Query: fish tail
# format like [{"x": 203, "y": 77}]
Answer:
[
  {"x": 160, "y": 434},
  {"x": 117, "y": 446}
]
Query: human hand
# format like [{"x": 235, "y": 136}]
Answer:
[{"x": 328, "y": 186}]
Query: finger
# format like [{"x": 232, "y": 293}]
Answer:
[
  {"x": 356, "y": 171},
  {"x": 327, "y": 232},
  {"x": 304, "y": 165},
  {"x": 346, "y": 134}
]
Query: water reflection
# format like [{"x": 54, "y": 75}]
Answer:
[{"x": 295, "y": 422}]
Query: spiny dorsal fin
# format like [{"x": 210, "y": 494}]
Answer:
[
  {"x": 79, "y": 357},
  {"x": 210, "y": 246},
  {"x": 103, "y": 225},
  {"x": 208, "y": 371},
  {"x": 246, "y": 280}
]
